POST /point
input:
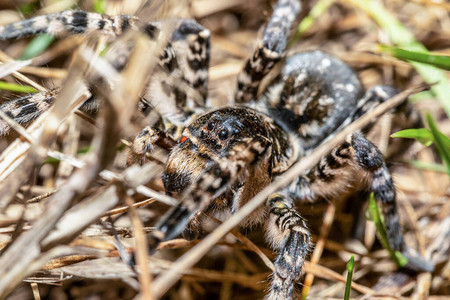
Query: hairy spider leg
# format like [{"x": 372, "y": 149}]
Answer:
[
  {"x": 354, "y": 164},
  {"x": 68, "y": 22},
  {"x": 144, "y": 144},
  {"x": 269, "y": 50},
  {"x": 287, "y": 232},
  {"x": 180, "y": 89},
  {"x": 25, "y": 109},
  {"x": 173, "y": 84},
  {"x": 245, "y": 158},
  {"x": 191, "y": 43}
]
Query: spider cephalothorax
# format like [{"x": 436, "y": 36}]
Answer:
[
  {"x": 225, "y": 156},
  {"x": 213, "y": 135}
]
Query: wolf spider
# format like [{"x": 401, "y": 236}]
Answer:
[{"x": 225, "y": 156}]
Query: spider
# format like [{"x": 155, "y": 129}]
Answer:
[{"x": 220, "y": 158}]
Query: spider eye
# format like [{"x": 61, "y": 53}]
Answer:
[
  {"x": 210, "y": 126},
  {"x": 223, "y": 134}
]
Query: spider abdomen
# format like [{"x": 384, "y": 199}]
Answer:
[{"x": 313, "y": 95}]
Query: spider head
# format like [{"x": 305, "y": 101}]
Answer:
[
  {"x": 219, "y": 130},
  {"x": 206, "y": 141}
]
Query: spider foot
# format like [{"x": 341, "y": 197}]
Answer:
[
  {"x": 194, "y": 229},
  {"x": 288, "y": 232},
  {"x": 144, "y": 143}
]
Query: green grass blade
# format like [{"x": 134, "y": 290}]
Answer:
[
  {"x": 100, "y": 6},
  {"x": 27, "y": 9},
  {"x": 401, "y": 37},
  {"x": 422, "y": 135},
  {"x": 439, "y": 61},
  {"x": 425, "y": 95},
  {"x": 37, "y": 46},
  {"x": 348, "y": 283},
  {"x": 427, "y": 166},
  {"x": 81, "y": 151},
  {"x": 396, "y": 256},
  {"x": 14, "y": 87},
  {"x": 319, "y": 9},
  {"x": 441, "y": 141}
]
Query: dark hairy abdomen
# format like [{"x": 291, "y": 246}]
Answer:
[{"x": 313, "y": 95}]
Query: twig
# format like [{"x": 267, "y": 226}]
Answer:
[
  {"x": 17, "y": 127},
  {"x": 123, "y": 209},
  {"x": 318, "y": 249},
  {"x": 40, "y": 197},
  {"x": 254, "y": 248},
  {"x": 325, "y": 273},
  {"x": 35, "y": 289},
  {"x": 4, "y": 57},
  {"x": 144, "y": 275}
]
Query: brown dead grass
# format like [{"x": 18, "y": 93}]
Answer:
[{"x": 59, "y": 221}]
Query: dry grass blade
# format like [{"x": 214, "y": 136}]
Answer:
[
  {"x": 319, "y": 245},
  {"x": 203, "y": 7},
  {"x": 13, "y": 262},
  {"x": 21, "y": 157},
  {"x": 144, "y": 275},
  {"x": 35, "y": 289},
  {"x": 120, "y": 210},
  {"x": 77, "y": 218},
  {"x": 254, "y": 248},
  {"x": 326, "y": 273},
  {"x": 52, "y": 73},
  {"x": 5, "y": 58},
  {"x": 66, "y": 261},
  {"x": 38, "y": 239},
  {"x": 12, "y": 66},
  {"x": 17, "y": 127}
]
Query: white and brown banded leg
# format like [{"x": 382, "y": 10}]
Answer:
[
  {"x": 191, "y": 43},
  {"x": 185, "y": 64},
  {"x": 174, "y": 84},
  {"x": 355, "y": 163},
  {"x": 218, "y": 178},
  {"x": 68, "y": 22},
  {"x": 25, "y": 109},
  {"x": 269, "y": 51},
  {"x": 180, "y": 88},
  {"x": 286, "y": 231}
]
